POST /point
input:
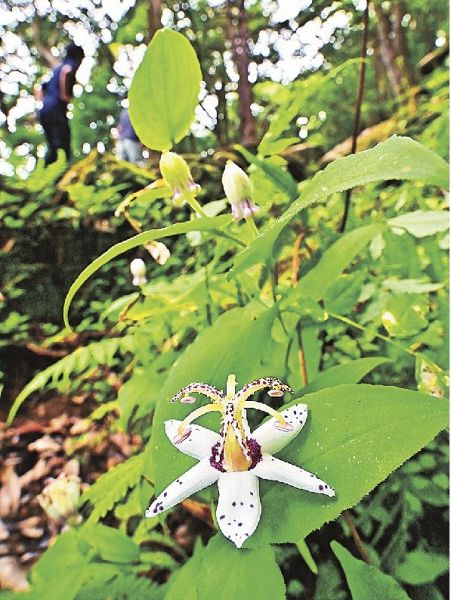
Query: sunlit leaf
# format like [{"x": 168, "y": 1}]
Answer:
[
  {"x": 355, "y": 436},
  {"x": 396, "y": 158},
  {"x": 164, "y": 91}
]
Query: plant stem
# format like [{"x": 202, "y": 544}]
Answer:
[
  {"x": 372, "y": 332},
  {"x": 356, "y": 537},
  {"x": 301, "y": 356},
  {"x": 358, "y": 106},
  {"x": 191, "y": 200}
]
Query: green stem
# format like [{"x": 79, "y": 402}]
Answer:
[
  {"x": 252, "y": 227},
  {"x": 374, "y": 333},
  {"x": 191, "y": 200}
]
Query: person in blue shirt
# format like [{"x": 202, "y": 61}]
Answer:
[
  {"x": 129, "y": 146},
  {"x": 56, "y": 95}
]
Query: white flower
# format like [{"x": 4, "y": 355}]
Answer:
[
  {"x": 235, "y": 458},
  {"x": 238, "y": 189},
  {"x": 138, "y": 271}
]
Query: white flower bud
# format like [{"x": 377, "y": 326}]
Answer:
[
  {"x": 138, "y": 271},
  {"x": 59, "y": 499},
  {"x": 238, "y": 190},
  {"x": 158, "y": 251},
  {"x": 176, "y": 173}
]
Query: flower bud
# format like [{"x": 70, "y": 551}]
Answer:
[
  {"x": 138, "y": 271},
  {"x": 177, "y": 175},
  {"x": 158, "y": 251},
  {"x": 238, "y": 189},
  {"x": 59, "y": 499}
]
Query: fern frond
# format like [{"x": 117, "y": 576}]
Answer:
[
  {"x": 112, "y": 486},
  {"x": 77, "y": 362}
]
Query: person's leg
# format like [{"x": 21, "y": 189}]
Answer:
[{"x": 47, "y": 126}]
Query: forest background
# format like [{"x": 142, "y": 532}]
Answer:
[{"x": 280, "y": 81}]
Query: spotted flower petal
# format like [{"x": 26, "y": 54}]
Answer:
[
  {"x": 197, "y": 478},
  {"x": 271, "y": 439},
  {"x": 278, "y": 470},
  {"x": 197, "y": 444},
  {"x": 239, "y": 507}
]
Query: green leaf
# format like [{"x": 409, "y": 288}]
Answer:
[
  {"x": 280, "y": 178},
  {"x": 351, "y": 372},
  {"x": 78, "y": 361},
  {"x": 396, "y": 158},
  {"x": 110, "y": 544},
  {"x": 404, "y": 315},
  {"x": 334, "y": 260},
  {"x": 164, "y": 91},
  {"x": 222, "y": 572},
  {"x": 304, "y": 551},
  {"x": 112, "y": 486},
  {"x": 420, "y": 567},
  {"x": 355, "y": 436},
  {"x": 59, "y": 572},
  {"x": 235, "y": 343},
  {"x": 422, "y": 223},
  {"x": 138, "y": 240},
  {"x": 366, "y": 581}
]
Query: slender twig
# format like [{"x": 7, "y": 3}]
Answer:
[
  {"x": 356, "y": 537},
  {"x": 358, "y": 106},
  {"x": 372, "y": 332}
]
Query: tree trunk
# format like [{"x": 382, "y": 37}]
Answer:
[
  {"x": 238, "y": 35},
  {"x": 153, "y": 18},
  {"x": 400, "y": 43},
  {"x": 387, "y": 50}
]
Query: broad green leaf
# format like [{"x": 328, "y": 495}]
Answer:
[
  {"x": 422, "y": 223},
  {"x": 235, "y": 343},
  {"x": 112, "y": 486},
  {"x": 334, "y": 260},
  {"x": 224, "y": 573},
  {"x": 367, "y": 581},
  {"x": 59, "y": 572},
  {"x": 396, "y": 158},
  {"x": 350, "y": 372},
  {"x": 110, "y": 544},
  {"x": 164, "y": 91},
  {"x": 420, "y": 567},
  {"x": 204, "y": 224},
  {"x": 280, "y": 178},
  {"x": 355, "y": 436}
]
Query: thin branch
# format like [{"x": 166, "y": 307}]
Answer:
[
  {"x": 356, "y": 537},
  {"x": 358, "y": 106}
]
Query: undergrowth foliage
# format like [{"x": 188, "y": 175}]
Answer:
[{"x": 287, "y": 297}]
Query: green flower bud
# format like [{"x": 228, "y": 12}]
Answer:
[{"x": 177, "y": 175}]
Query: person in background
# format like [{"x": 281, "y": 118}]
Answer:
[
  {"x": 129, "y": 146},
  {"x": 56, "y": 95}
]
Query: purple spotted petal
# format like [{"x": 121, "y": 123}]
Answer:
[
  {"x": 239, "y": 507},
  {"x": 197, "y": 444},
  {"x": 195, "y": 479},
  {"x": 271, "y": 438},
  {"x": 278, "y": 470}
]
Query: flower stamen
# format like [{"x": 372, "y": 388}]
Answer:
[{"x": 199, "y": 412}]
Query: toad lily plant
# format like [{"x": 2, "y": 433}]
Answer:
[{"x": 235, "y": 458}]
